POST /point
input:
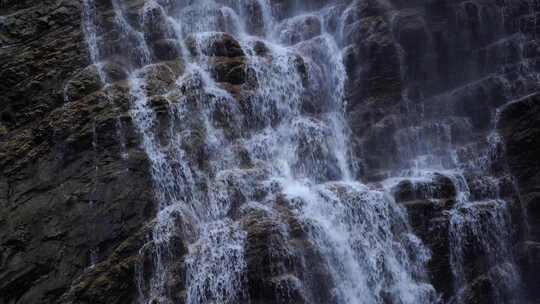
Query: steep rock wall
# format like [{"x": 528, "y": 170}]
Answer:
[{"x": 69, "y": 196}]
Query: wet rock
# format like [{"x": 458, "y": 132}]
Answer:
[
  {"x": 299, "y": 29},
  {"x": 377, "y": 155},
  {"x": 84, "y": 83},
  {"x": 260, "y": 48},
  {"x": 277, "y": 261},
  {"x": 372, "y": 39},
  {"x": 230, "y": 70},
  {"x": 428, "y": 202},
  {"x": 520, "y": 125},
  {"x": 437, "y": 187},
  {"x": 492, "y": 287},
  {"x": 479, "y": 291},
  {"x": 34, "y": 39},
  {"x": 111, "y": 279},
  {"x": 487, "y": 187},
  {"x": 267, "y": 256},
  {"x": 160, "y": 77},
  {"x": 254, "y": 16},
  {"x": 530, "y": 264},
  {"x": 60, "y": 214},
  {"x": 214, "y": 45},
  {"x": 227, "y": 60},
  {"x": 60, "y": 223},
  {"x": 113, "y": 71},
  {"x": 166, "y": 49},
  {"x": 434, "y": 234},
  {"x": 92, "y": 79},
  {"x": 133, "y": 9},
  {"x": 411, "y": 33},
  {"x": 313, "y": 148},
  {"x": 373, "y": 90},
  {"x": 154, "y": 23}
]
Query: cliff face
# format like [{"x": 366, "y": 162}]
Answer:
[
  {"x": 424, "y": 78},
  {"x": 68, "y": 195}
]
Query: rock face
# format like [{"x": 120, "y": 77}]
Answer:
[
  {"x": 73, "y": 196},
  {"x": 441, "y": 84},
  {"x": 520, "y": 126}
]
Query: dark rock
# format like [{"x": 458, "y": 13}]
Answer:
[
  {"x": 479, "y": 291},
  {"x": 530, "y": 265},
  {"x": 160, "y": 77},
  {"x": 520, "y": 126},
  {"x": 377, "y": 155},
  {"x": 67, "y": 202},
  {"x": 299, "y": 29},
  {"x": 34, "y": 39},
  {"x": 91, "y": 79},
  {"x": 215, "y": 45},
  {"x": 82, "y": 84},
  {"x": 230, "y": 70},
  {"x": 154, "y": 23},
  {"x": 374, "y": 88},
  {"x": 71, "y": 197},
  {"x": 430, "y": 224},
  {"x": 111, "y": 280},
  {"x": 438, "y": 187},
  {"x": 411, "y": 33},
  {"x": 166, "y": 49},
  {"x": 277, "y": 261},
  {"x": 113, "y": 72},
  {"x": 260, "y": 48}
]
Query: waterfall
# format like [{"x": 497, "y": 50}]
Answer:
[
  {"x": 90, "y": 33},
  {"x": 255, "y": 123},
  {"x": 437, "y": 139}
]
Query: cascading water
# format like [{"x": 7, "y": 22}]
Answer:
[
  {"x": 437, "y": 138},
  {"x": 255, "y": 120}
]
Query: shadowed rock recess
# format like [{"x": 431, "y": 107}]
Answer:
[{"x": 270, "y": 151}]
